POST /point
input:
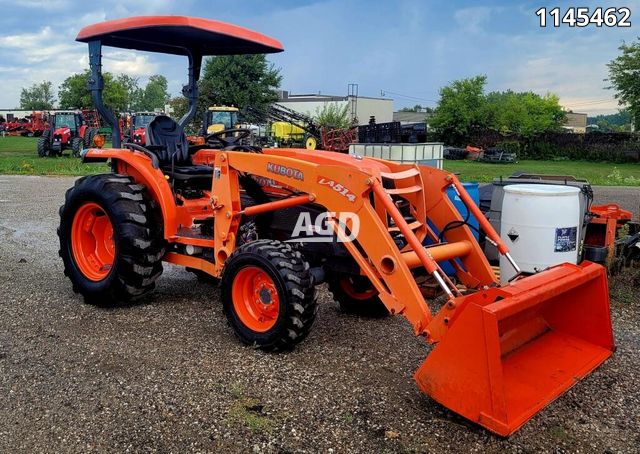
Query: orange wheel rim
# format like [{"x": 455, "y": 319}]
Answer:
[
  {"x": 92, "y": 241},
  {"x": 357, "y": 292},
  {"x": 255, "y": 299}
]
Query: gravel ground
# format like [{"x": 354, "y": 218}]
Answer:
[{"x": 167, "y": 374}]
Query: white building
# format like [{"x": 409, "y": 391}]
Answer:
[
  {"x": 364, "y": 107},
  {"x": 18, "y": 114}
]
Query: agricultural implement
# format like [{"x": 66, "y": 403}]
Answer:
[
  {"x": 67, "y": 130},
  {"x": 31, "y": 126},
  {"x": 606, "y": 240},
  {"x": 294, "y": 129},
  {"x": 501, "y": 352}
]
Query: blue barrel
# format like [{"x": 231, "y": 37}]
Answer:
[{"x": 474, "y": 192}]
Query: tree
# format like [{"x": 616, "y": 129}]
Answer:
[
  {"x": 134, "y": 93},
  {"x": 239, "y": 80},
  {"x": 74, "y": 93},
  {"x": 37, "y": 96},
  {"x": 464, "y": 106},
  {"x": 623, "y": 75},
  {"x": 179, "y": 105},
  {"x": 618, "y": 122},
  {"x": 461, "y": 107},
  {"x": 418, "y": 108},
  {"x": 333, "y": 116},
  {"x": 155, "y": 94},
  {"x": 523, "y": 113}
]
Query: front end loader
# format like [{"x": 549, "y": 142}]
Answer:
[{"x": 233, "y": 213}]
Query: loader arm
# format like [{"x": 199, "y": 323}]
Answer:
[
  {"x": 374, "y": 250},
  {"x": 502, "y": 352}
]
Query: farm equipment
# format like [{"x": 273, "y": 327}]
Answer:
[
  {"x": 133, "y": 127},
  {"x": 293, "y": 129},
  {"x": 606, "y": 240},
  {"x": 16, "y": 127},
  {"x": 31, "y": 126},
  {"x": 67, "y": 130},
  {"x": 501, "y": 353},
  {"x": 288, "y": 127},
  {"x": 38, "y": 124},
  {"x": 218, "y": 118},
  {"x": 607, "y": 235}
]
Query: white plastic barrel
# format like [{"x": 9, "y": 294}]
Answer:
[{"x": 540, "y": 225}]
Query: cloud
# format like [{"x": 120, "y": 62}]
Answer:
[
  {"x": 573, "y": 66},
  {"x": 48, "y": 5},
  {"x": 47, "y": 55},
  {"x": 127, "y": 62},
  {"x": 473, "y": 19}
]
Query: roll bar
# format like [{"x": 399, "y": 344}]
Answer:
[{"x": 95, "y": 84}]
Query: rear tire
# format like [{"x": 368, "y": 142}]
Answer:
[
  {"x": 107, "y": 271},
  {"x": 268, "y": 295},
  {"x": 89, "y": 134},
  {"x": 356, "y": 295},
  {"x": 77, "y": 143}
]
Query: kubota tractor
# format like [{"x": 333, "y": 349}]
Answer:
[
  {"x": 67, "y": 130},
  {"x": 501, "y": 352}
]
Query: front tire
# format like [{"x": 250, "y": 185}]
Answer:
[
  {"x": 110, "y": 242},
  {"x": 268, "y": 295},
  {"x": 44, "y": 144}
]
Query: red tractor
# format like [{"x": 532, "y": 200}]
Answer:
[
  {"x": 67, "y": 130},
  {"x": 134, "y": 127}
]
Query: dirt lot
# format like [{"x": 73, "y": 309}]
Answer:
[{"x": 167, "y": 374}]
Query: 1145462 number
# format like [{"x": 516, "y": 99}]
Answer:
[{"x": 583, "y": 17}]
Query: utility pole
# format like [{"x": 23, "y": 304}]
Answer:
[{"x": 352, "y": 95}]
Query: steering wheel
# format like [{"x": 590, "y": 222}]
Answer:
[{"x": 231, "y": 139}]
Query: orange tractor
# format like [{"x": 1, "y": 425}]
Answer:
[{"x": 232, "y": 212}]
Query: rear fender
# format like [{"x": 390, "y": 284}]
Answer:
[{"x": 139, "y": 167}]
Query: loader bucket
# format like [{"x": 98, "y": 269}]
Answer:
[{"x": 512, "y": 350}]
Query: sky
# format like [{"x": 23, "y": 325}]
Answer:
[{"x": 405, "y": 50}]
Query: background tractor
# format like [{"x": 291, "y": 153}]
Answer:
[
  {"x": 134, "y": 127},
  {"x": 501, "y": 352},
  {"x": 67, "y": 130},
  {"x": 218, "y": 118}
]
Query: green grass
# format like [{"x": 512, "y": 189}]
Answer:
[
  {"x": 248, "y": 411},
  {"x": 18, "y": 156},
  {"x": 597, "y": 173}
]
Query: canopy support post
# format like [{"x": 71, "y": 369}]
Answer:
[
  {"x": 95, "y": 84},
  {"x": 190, "y": 91}
]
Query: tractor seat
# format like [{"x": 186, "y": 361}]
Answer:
[{"x": 167, "y": 140}]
